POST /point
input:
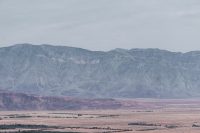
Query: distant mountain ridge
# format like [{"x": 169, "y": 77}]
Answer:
[{"x": 67, "y": 71}]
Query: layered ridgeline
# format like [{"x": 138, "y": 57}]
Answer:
[{"x": 67, "y": 71}]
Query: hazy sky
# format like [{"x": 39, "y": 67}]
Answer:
[{"x": 102, "y": 24}]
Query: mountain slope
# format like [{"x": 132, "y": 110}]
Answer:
[{"x": 67, "y": 71}]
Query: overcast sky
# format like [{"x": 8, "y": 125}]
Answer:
[{"x": 102, "y": 24}]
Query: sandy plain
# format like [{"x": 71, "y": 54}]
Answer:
[{"x": 173, "y": 118}]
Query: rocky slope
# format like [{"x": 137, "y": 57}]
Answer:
[
  {"x": 67, "y": 71},
  {"x": 20, "y": 101}
]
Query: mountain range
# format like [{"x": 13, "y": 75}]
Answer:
[{"x": 48, "y": 70}]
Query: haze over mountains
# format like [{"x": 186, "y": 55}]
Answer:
[{"x": 66, "y": 71}]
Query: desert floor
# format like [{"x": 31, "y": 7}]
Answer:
[{"x": 171, "y": 119}]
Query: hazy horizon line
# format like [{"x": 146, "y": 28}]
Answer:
[{"x": 70, "y": 46}]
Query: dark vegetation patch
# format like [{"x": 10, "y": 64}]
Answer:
[
  {"x": 41, "y": 128},
  {"x": 22, "y": 126},
  {"x": 143, "y": 124},
  {"x": 39, "y": 131},
  {"x": 147, "y": 129},
  {"x": 102, "y": 128},
  {"x": 153, "y": 124},
  {"x": 40, "y": 116},
  {"x": 108, "y": 116},
  {"x": 18, "y": 116},
  {"x": 171, "y": 126},
  {"x": 195, "y": 125}
]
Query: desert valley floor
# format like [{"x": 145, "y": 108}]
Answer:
[{"x": 182, "y": 116}]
